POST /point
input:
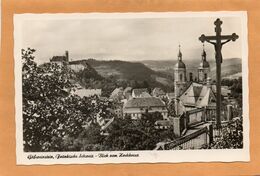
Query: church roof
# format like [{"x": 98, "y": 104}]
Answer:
[
  {"x": 144, "y": 102},
  {"x": 198, "y": 95},
  {"x": 204, "y": 63},
  {"x": 180, "y": 63}
]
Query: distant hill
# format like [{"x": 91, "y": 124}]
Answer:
[
  {"x": 97, "y": 73},
  {"x": 122, "y": 69},
  {"x": 82, "y": 73},
  {"x": 130, "y": 71},
  {"x": 84, "y": 70},
  {"x": 229, "y": 66}
]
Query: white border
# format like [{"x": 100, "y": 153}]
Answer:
[{"x": 174, "y": 156}]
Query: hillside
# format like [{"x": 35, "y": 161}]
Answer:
[
  {"x": 84, "y": 71},
  {"x": 115, "y": 73},
  {"x": 130, "y": 71},
  {"x": 122, "y": 69},
  {"x": 229, "y": 66}
]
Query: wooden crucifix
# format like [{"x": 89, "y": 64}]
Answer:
[{"x": 218, "y": 41}]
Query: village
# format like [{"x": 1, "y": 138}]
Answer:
[
  {"x": 190, "y": 109},
  {"x": 71, "y": 103}
]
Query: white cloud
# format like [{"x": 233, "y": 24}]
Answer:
[{"x": 126, "y": 39}]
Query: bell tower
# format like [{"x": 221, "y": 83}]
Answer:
[
  {"x": 204, "y": 68},
  {"x": 179, "y": 75}
]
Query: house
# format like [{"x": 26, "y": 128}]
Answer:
[
  {"x": 60, "y": 60},
  {"x": 135, "y": 107},
  {"x": 158, "y": 92},
  {"x": 127, "y": 93},
  {"x": 117, "y": 94},
  {"x": 82, "y": 92},
  {"x": 163, "y": 124},
  {"x": 170, "y": 96},
  {"x": 78, "y": 65},
  {"x": 144, "y": 94},
  {"x": 136, "y": 93},
  {"x": 225, "y": 91}
]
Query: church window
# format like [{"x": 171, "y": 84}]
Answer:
[
  {"x": 180, "y": 77},
  {"x": 205, "y": 75},
  {"x": 191, "y": 77}
]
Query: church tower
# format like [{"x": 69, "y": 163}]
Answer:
[
  {"x": 204, "y": 68},
  {"x": 179, "y": 75}
]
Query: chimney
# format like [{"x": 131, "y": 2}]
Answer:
[{"x": 67, "y": 55}]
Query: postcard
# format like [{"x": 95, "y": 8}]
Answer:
[{"x": 131, "y": 87}]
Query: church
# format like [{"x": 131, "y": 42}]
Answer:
[
  {"x": 180, "y": 75},
  {"x": 194, "y": 94}
]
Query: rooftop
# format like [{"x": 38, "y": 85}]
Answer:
[
  {"x": 198, "y": 95},
  {"x": 158, "y": 91},
  {"x": 58, "y": 59},
  {"x": 138, "y": 92},
  {"x": 87, "y": 92},
  {"x": 144, "y": 102}
]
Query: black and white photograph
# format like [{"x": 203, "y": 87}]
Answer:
[{"x": 131, "y": 87}]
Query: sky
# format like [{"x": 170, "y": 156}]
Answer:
[{"x": 129, "y": 39}]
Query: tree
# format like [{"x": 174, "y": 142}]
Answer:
[
  {"x": 45, "y": 98},
  {"x": 56, "y": 120},
  {"x": 122, "y": 135},
  {"x": 89, "y": 139},
  {"x": 140, "y": 134},
  {"x": 50, "y": 112},
  {"x": 231, "y": 136},
  {"x": 236, "y": 90}
]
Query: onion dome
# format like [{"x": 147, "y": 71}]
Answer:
[
  {"x": 180, "y": 63},
  {"x": 204, "y": 63}
]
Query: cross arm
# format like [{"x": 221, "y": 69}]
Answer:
[
  {"x": 232, "y": 37},
  {"x": 204, "y": 38},
  {"x": 225, "y": 42}
]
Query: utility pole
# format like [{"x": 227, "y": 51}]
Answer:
[{"x": 217, "y": 42}]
